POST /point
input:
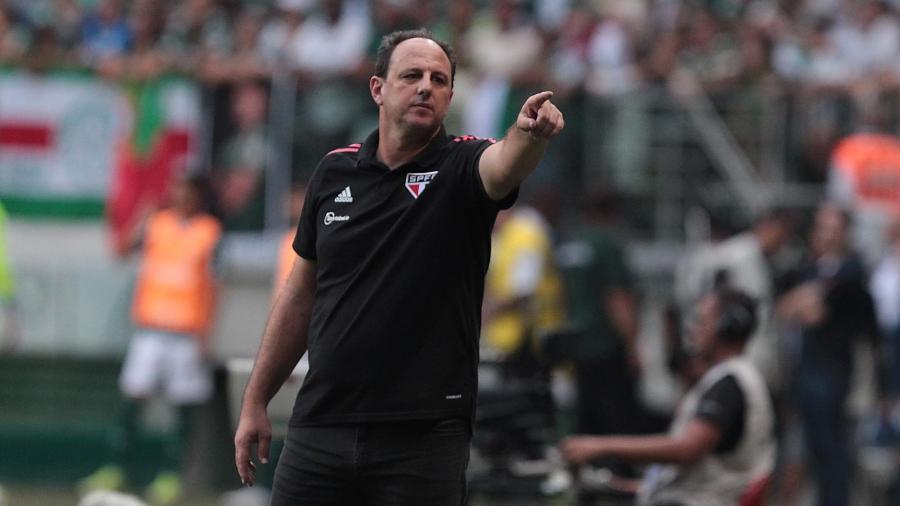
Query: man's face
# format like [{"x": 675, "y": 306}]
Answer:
[
  {"x": 184, "y": 198},
  {"x": 415, "y": 94},
  {"x": 829, "y": 234}
]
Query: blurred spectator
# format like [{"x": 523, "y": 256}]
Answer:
[
  {"x": 551, "y": 14},
  {"x": 610, "y": 55},
  {"x": 864, "y": 175},
  {"x": 13, "y": 36},
  {"x": 885, "y": 287},
  {"x": 240, "y": 168},
  {"x": 710, "y": 52},
  {"x": 615, "y": 105},
  {"x": 10, "y": 333},
  {"x": 328, "y": 57},
  {"x": 173, "y": 312},
  {"x": 65, "y": 17},
  {"x": 44, "y": 52},
  {"x": 505, "y": 50},
  {"x": 720, "y": 445},
  {"x": 456, "y": 21},
  {"x": 105, "y": 32},
  {"x": 195, "y": 29},
  {"x": 603, "y": 309},
  {"x": 276, "y": 37},
  {"x": 332, "y": 43},
  {"x": 148, "y": 59},
  {"x": 391, "y": 15},
  {"x": 246, "y": 60},
  {"x": 831, "y": 305},
  {"x": 569, "y": 57},
  {"x": 871, "y": 37},
  {"x": 523, "y": 290}
]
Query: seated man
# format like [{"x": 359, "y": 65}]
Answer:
[{"x": 721, "y": 440}]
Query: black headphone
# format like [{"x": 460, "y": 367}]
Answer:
[{"x": 737, "y": 318}]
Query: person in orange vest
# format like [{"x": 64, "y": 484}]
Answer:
[{"x": 172, "y": 311}]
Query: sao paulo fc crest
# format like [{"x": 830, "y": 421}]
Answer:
[{"x": 417, "y": 181}]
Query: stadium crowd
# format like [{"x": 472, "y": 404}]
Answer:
[{"x": 835, "y": 60}]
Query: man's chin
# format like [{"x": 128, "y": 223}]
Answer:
[{"x": 422, "y": 126}]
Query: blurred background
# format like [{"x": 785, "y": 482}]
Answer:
[{"x": 691, "y": 125}]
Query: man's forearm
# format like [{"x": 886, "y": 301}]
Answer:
[
  {"x": 659, "y": 448},
  {"x": 505, "y": 165},
  {"x": 622, "y": 309},
  {"x": 283, "y": 342},
  {"x": 517, "y": 155}
]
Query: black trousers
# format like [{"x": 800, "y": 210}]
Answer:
[{"x": 420, "y": 463}]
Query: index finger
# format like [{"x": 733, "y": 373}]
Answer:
[
  {"x": 242, "y": 462},
  {"x": 538, "y": 99}
]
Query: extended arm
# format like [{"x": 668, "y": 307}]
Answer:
[
  {"x": 698, "y": 439},
  {"x": 283, "y": 343},
  {"x": 507, "y": 163}
]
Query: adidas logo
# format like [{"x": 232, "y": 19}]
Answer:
[{"x": 344, "y": 197}]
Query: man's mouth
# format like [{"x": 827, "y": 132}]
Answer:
[{"x": 424, "y": 106}]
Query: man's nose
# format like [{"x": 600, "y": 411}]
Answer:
[{"x": 424, "y": 86}]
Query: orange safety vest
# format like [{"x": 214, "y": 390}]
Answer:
[
  {"x": 176, "y": 287},
  {"x": 868, "y": 165}
]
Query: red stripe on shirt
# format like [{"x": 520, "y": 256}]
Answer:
[
  {"x": 465, "y": 138},
  {"x": 353, "y": 148}
]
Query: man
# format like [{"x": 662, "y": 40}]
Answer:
[
  {"x": 884, "y": 286},
  {"x": 242, "y": 160},
  {"x": 831, "y": 307},
  {"x": 721, "y": 440},
  {"x": 603, "y": 308},
  {"x": 173, "y": 311},
  {"x": 386, "y": 292}
]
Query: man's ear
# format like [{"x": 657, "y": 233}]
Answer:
[{"x": 375, "y": 86}]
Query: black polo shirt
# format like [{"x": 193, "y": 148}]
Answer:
[{"x": 401, "y": 258}]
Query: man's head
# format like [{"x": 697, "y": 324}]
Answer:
[
  {"x": 829, "y": 232},
  {"x": 773, "y": 228},
  {"x": 413, "y": 81},
  {"x": 600, "y": 205},
  {"x": 724, "y": 318},
  {"x": 390, "y": 42},
  {"x": 191, "y": 194},
  {"x": 248, "y": 105}
]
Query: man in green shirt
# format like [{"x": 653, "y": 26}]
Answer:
[{"x": 603, "y": 308}]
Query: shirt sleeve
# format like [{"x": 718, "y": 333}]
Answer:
[
  {"x": 469, "y": 155},
  {"x": 723, "y": 406}
]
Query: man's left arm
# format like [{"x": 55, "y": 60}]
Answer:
[{"x": 506, "y": 164}]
